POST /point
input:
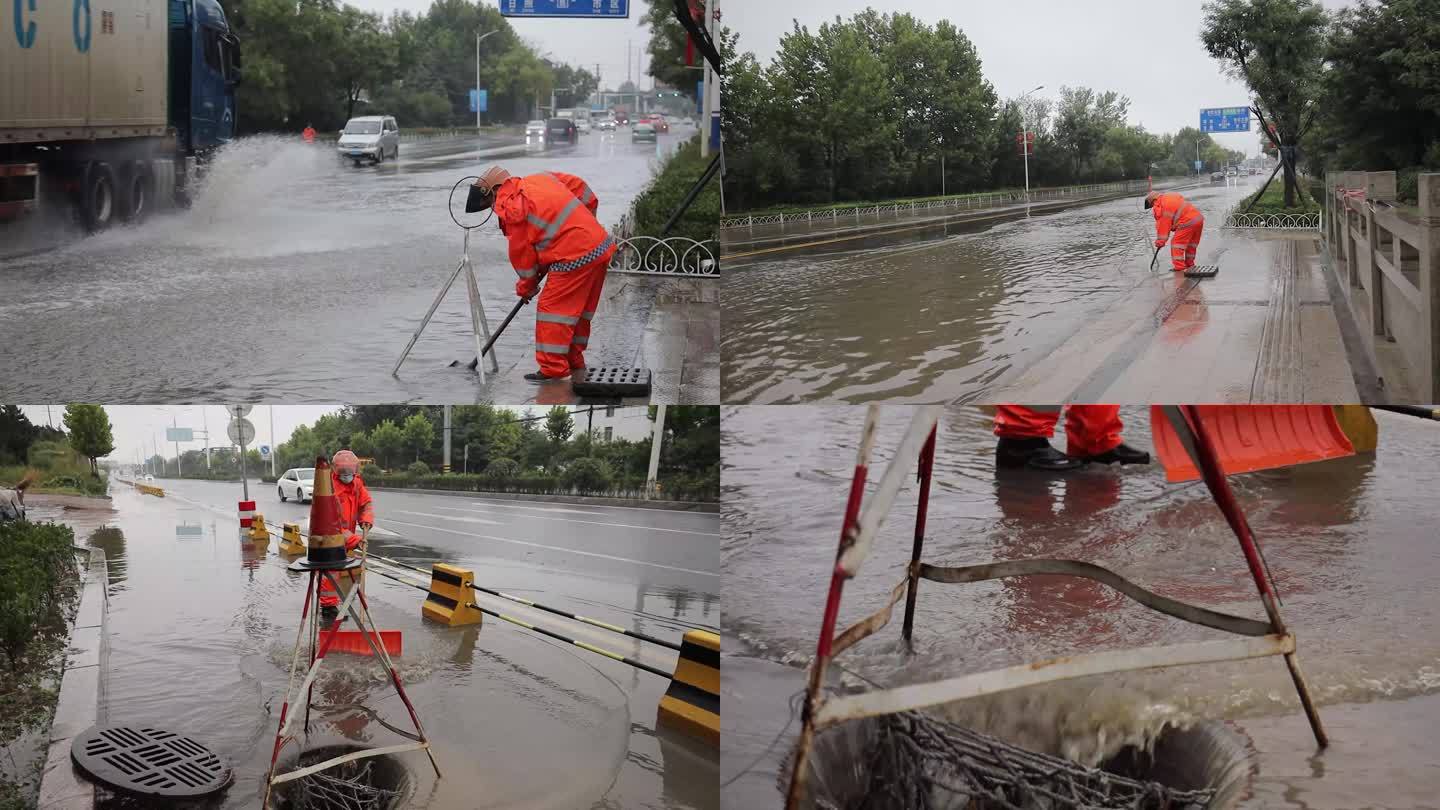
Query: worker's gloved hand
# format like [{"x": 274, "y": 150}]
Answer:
[
  {"x": 526, "y": 287},
  {"x": 1159, "y": 243},
  {"x": 366, "y": 525},
  {"x": 352, "y": 542}
]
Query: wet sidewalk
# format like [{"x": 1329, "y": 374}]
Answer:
[
  {"x": 669, "y": 325},
  {"x": 1264, "y": 330}
]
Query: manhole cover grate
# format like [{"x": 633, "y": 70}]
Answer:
[
  {"x": 150, "y": 761},
  {"x": 612, "y": 381}
]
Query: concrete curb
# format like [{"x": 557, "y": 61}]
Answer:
[
  {"x": 81, "y": 690},
  {"x": 633, "y": 503}
]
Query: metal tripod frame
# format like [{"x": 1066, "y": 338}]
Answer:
[
  {"x": 310, "y": 620},
  {"x": 478, "y": 324}
]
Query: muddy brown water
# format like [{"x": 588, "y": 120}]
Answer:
[
  {"x": 1350, "y": 542},
  {"x": 925, "y": 318},
  {"x": 202, "y": 627}
]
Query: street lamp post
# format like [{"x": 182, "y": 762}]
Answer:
[
  {"x": 478, "y": 37},
  {"x": 1025, "y": 141}
]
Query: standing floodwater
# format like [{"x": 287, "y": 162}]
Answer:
[
  {"x": 202, "y": 625},
  {"x": 1349, "y": 542},
  {"x": 299, "y": 277}
]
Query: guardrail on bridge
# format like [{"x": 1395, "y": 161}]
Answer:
[{"x": 1388, "y": 262}]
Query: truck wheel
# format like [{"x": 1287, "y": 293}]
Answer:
[
  {"x": 97, "y": 197},
  {"x": 135, "y": 195}
]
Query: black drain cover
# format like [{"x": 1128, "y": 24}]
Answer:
[
  {"x": 1202, "y": 271},
  {"x": 612, "y": 381},
  {"x": 149, "y": 761}
]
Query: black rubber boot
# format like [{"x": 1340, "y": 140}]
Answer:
[
  {"x": 328, "y": 613},
  {"x": 1035, "y": 453},
  {"x": 537, "y": 377},
  {"x": 1121, "y": 454}
]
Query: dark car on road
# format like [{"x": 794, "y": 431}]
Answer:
[{"x": 560, "y": 130}]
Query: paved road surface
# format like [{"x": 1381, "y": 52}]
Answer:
[{"x": 297, "y": 277}]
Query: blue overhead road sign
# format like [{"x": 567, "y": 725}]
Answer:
[
  {"x": 1225, "y": 119},
  {"x": 565, "y": 8}
]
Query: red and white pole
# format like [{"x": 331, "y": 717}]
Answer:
[{"x": 247, "y": 514}]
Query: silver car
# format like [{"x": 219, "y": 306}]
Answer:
[{"x": 369, "y": 137}]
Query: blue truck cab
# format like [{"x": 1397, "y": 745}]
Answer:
[{"x": 204, "y": 71}]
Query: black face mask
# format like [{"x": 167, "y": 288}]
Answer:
[{"x": 480, "y": 199}]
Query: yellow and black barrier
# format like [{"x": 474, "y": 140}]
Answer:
[
  {"x": 258, "y": 531},
  {"x": 291, "y": 543},
  {"x": 692, "y": 703},
  {"x": 1359, "y": 426},
  {"x": 149, "y": 490},
  {"x": 449, "y": 601}
]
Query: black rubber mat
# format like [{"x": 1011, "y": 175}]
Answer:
[
  {"x": 1202, "y": 271},
  {"x": 612, "y": 381},
  {"x": 149, "y": 761}
]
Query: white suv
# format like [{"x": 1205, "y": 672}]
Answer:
[{"x": 297, "y": 483}]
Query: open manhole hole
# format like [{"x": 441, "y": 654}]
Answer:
[
  {"x": 149, "y": 762},
  {"x": 373, "y": 783}
]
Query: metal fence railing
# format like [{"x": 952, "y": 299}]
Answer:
[{"x": 967, "y": 202}]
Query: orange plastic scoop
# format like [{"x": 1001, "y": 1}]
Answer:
[
  {"x": 354, "y": 643},
  {"x": 1253, "y": 437}
]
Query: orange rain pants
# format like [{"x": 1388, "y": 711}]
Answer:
[
  {"x": 1173, "y": 213},
  {"x": 549, "y": 220},
  {"x": 1089, "y": 429},
  {"x": 355, "y": 508}
]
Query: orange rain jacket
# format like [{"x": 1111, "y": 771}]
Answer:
[
  {"x": 355, "y": 508},
  {"x": 1173, "y": 213},
  {"x": 549, "y": 220}
]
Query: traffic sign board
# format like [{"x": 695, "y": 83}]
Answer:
[
  {"x": 479, "y": 100},
  {"x": 565, "y": 8},
  {"x": 1225, "y": 119},
  {"x": 238, "y": 411},
  {"x": 264, "y": 451},
  {"x": 240, "y": 431},
  {"x": 179, "y": 434}
]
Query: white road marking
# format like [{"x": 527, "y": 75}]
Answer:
[
  {"x": 561, "y": 549},
  {"x": 590, "y": 522},
  {"x": 449, "y": 517}
]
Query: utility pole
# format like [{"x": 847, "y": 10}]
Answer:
[
  {"x": 590, "y": 429},
  {"x": 655, "y": 441},
  {"x": 205, "y": 424},
  {"x": 1025, "y": 140},
  {"x": 478, "y": 38},
  {"x": 707, "y": 78},
  {"x": 272, "y": 440},
  {"x": 445, "y": 461},
  {"x": 175, "y": 424}
]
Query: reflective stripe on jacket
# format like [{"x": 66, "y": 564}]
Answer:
[
  {"x": 1173, "y": 212},
  {"x": 546, "y": 223}
]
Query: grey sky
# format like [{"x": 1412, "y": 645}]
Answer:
[
  {"x": 582, "y": 43},
  {"x": 1148, "y": 50}
]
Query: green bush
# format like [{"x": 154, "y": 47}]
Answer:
[
  {"x": 657, "y": 202},
  {"x": 588, "y": 476},
  {"x": 1273, "y": 200},
  {"x": 38, "y": 579},
  {"x": 503, "y": 468},
  {"x": 418, "y": 468},
  {"x": 371, "y": 472},
  {"x": 49, "y": 455}
]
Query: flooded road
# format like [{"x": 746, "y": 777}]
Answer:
[
  {"x": 1349, "y": 541},
  {"x": 928, "y": 319},
  {"x": 299, "y": 278},
  {"x": 202, "y": 625}
]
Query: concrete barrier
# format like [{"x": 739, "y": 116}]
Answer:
[
  {"x": 692, "y": 703},
  {"x": 78, "y": 707},
  {"x": 149, "y": 490},
  {"x": 1387, "y": 260}
]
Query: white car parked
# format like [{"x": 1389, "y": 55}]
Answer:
[{"x": 297, "y": 483}]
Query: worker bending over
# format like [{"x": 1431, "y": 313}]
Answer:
[
  {"x": 549, "y": 220},
  {"x": 1092, "y": 433},
  {"x": 1181, "y": 222}
]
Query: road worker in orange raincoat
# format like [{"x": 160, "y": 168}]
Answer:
[
  {"x": 549, "y": 220},
  {"x": 1181, "y": 222},
  {"x": 355, "y": 512},
  {"x": 308, "y": 134},
  {"x": 1092, "y": 433}
]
